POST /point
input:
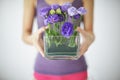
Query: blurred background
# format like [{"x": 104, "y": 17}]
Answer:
[{"x": 17, "y": 58}]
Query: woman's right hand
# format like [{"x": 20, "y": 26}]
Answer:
[{"x": 37, "y": 40}]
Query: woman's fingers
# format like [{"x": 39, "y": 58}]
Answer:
[
  {"x": 83, "y": 48},
  {"x": 88, "y": 38},
  {"x": 41, "y": 30},
  {"x": 80, "y": 31},
  {"x": 37, "y": 40},
  {"x": 40, "y": 43},
  {"x": 40, "y": 48}
]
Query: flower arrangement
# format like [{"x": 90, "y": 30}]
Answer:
[{"x": 60, "y": 20}]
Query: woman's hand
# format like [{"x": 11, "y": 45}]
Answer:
[
  {"x": 37, "y": 40},
  {"x": 88, "y": 38}
]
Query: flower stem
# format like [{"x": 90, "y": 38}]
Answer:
[
  {"x": 49, "y": 27},
  {"x": 81, "y": 18},
  {"x": 72, "y": 19}
]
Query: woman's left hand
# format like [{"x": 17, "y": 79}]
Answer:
[{"x": 88, "y": 38}]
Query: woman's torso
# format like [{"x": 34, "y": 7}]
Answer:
[{"x": 57, "y": 67}]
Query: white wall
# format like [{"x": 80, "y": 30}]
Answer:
[{"x": 17, "y": 59}]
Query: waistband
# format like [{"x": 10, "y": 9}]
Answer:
[{"x": 73, "y": 76}]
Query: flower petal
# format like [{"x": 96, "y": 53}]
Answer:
[
  {"x": 67, "y": 29},
  {"x": 82, "y": 11},
  {"x": 72, "y": 11}
]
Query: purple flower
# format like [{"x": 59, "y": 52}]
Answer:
[
  {"x": 53, "y": 18},
  {"x": 61, "y": 18},
  {"x": 65, "y": 6},
  {"x": 45, "y": 22},
  {"x": 81, "y": 11},
  {"x": 67, "y": 29},
  {"x": 72, "y": 11},
  {"x": 55, "y": 6},
  {"x": 44, "y": 11},
  {"x": 77, "y": 16}
]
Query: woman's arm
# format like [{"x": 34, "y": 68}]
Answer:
[
  {"x": 87, "y": 33},
  {"x": 27, "y": 35},
  {"x": 88, "y": 18},
  {"x": 28, "y": 17}
]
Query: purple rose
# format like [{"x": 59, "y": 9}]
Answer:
[
  {"x": 77, "y": 16},
  {"x": 65, "y": 6},
  {"x": 55, "y": 6},
  {"x": 44, "y": 11},
  {"x": 72, "y": 11},
  {"x": 81, "y": 11},
  {"x": 67, "y": 29},
  {"x": 53, "y": 18}
]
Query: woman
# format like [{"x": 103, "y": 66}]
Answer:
[{"x": 57, "y": 69}]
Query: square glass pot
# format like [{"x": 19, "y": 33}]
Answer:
[{"x": 59, "y": 47}]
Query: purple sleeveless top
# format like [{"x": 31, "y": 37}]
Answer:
[{"x": 57, "y": 67}]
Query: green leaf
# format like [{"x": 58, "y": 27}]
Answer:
[
  {"x": 75, "y": 27},
  {"x": 72, "y": 41}
]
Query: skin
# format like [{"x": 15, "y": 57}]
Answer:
[{"x": 35, "y": 39}]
